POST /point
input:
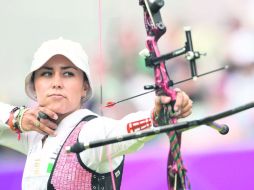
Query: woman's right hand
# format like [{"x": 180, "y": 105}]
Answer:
[{"x": 31, "y": 121}]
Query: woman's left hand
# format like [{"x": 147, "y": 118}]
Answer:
[{"x": 182, "y": 106}]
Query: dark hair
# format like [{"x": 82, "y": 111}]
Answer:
[
  {"x": 85, "y": 77},
  {"x": 32, "y": 77}
]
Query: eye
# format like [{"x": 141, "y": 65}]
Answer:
[
  {"x": 46, "y": 73},
  {"x": 68, "y": 74}
]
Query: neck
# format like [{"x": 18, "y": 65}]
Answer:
[{"x": 61, "y": 117}]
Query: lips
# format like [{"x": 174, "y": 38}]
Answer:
[{"x": 56, "y": 96}]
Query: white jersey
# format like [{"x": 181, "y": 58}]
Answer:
[{"x": 41, "y": 157}]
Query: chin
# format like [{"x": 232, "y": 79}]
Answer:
[{"x": 61, "y": 110}]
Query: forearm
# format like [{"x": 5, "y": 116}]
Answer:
[
  {"x": 5, "y": 110},
  {"x": 8, "y": 137},
  {"x": 104, "y": 128}
]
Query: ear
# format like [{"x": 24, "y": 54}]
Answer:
[{"x": 85, "y": 89}]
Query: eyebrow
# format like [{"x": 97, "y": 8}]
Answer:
[{"x": 63, "y": 68}]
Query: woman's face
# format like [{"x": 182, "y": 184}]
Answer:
[{"x": 60, "y": 85}]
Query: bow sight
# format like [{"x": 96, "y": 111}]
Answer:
[
  {"x": 190, "y": 54},
  {"x": 156, "y": 28}
]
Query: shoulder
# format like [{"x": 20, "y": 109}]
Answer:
[{"x": 84, "y": 112}]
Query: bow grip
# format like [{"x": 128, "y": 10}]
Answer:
[
  {"x": 172, "y": 95},
  {"x": 172, "y": 104}
]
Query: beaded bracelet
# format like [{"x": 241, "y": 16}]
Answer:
[
  {"x": 11, "y": 121},
  {"x": 15, "y": 119},
  {"x": 20, "y": 117}
]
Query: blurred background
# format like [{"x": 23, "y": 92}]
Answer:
[{"x": 223, "y": 29}]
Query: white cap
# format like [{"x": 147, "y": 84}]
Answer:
[{"x": 71, "y": 50}]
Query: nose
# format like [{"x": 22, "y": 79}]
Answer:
[{"x": 57, "y": 82}]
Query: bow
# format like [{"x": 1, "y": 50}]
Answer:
[
  {"x": 176, "y": 172},
  {"x": 155, "y": 29}
]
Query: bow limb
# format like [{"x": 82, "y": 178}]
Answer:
[{"x": 155, "y": 29}]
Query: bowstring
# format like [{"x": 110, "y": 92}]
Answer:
[{"x": 101, "y": 89}]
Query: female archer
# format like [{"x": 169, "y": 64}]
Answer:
[{"x": 60, "y": 82}]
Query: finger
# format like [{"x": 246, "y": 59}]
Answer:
[
  {"x": 165, "y": 99},
  {"x": 179, "y": 101},
  {"x": 185, "y": 114},
  {"x": 186, "y": 110},
  {"x": 49, "y": 113},
  {"x": 28, "y": 120},
  {"x": 186, "y": 100},
  {"x": 42, "y": 115},
  {"x": 40, "y": 127},
  {"x": 33, "y": 126},
  {"x": 159, "y": 101},
  {"x": 157, "y": 107},
  {"x": 50, "y": 124}
]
